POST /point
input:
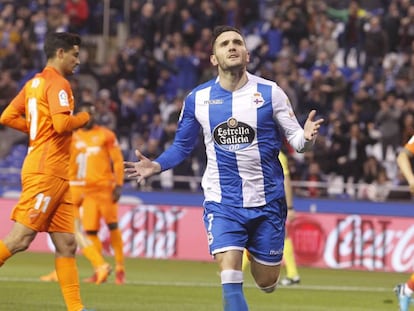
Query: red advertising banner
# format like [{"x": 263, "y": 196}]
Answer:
[
  {"x": 349, "y": 241},
  {"x": 325, "y": 240},
  {"x": 151, "y": 231},
  {"x": 162, "y": 231}
]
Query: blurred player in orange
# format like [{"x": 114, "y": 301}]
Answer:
[
  {"x": 44, "y": 109},
  {"x": 404, "y": 291},
  {"x": 96, "y": 179},
  {"x": 292, "y": 274}
]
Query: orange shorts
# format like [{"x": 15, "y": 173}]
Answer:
[
  {"x": 97, "y": 204},
  {"x": 45, "y": 204}
]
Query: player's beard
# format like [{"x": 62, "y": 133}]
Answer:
[{"x": 233, "y": 69}]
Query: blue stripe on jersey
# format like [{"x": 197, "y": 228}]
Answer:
[
  {"x": 218, "y": 113},
  {"x": 269, "y": 146}
]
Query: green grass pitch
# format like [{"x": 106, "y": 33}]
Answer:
[{"x": 168, "y": 285}]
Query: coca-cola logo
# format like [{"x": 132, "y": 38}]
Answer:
[
  {"x": 402, "y": 259},
  {"x": 354, "y": 242},
  {"x": 308, "y": 239},
  {"x": 369, "y": 243}
]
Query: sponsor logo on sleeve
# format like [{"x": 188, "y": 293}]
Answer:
[{"x": 63, "y": 98}]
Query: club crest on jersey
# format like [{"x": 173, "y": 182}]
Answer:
[
  {"x": 233, "y": 135},
  {"x": 257, "y": 100}
]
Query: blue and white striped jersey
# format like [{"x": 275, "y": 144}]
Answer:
[{"x": 242, "y": 135}]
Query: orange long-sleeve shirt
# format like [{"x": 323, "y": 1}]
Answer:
[
  {"x": 43, "y": 109},
  {"x": 96, "y": 158}
]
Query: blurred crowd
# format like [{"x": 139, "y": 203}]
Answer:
[{"x": 352, "y": 61}]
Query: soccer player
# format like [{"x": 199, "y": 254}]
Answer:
[
  {"x": 44, "y": 110},
  {"x": 96, "y": 179},
  {"x": 240, "y": 115},
  {"x": 292, "y": 274},
  {"x": 405, "y": 290},
  {"x": 97, "y": 175}
]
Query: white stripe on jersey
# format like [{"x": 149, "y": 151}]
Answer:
[{"x": 210, "y": 182}]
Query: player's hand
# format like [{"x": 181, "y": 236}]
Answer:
[
  {"x": 141, "y": 169},
  {"x": 311, "y": 127}
]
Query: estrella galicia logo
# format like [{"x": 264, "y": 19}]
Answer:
[{"x": 233, "y": 135}]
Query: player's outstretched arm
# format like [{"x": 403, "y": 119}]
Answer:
[
  {"x": 312, "y": 126},
  {"x": 142, "y": 169}
]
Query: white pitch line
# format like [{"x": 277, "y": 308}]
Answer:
[{"x": 247, "y": 285}]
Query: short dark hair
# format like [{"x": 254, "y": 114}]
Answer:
[
  {"x": 218, "y": 30},
  {"x": 60, "y": 40}
]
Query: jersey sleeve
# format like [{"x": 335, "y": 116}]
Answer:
[
  {"x": 64, "y": 122},
  {"x": 12, "y": 116},
  {"x": 59, "y": 96},
  {"x": 61, "y": 105},
  {"x": 285, "y": 116}
]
